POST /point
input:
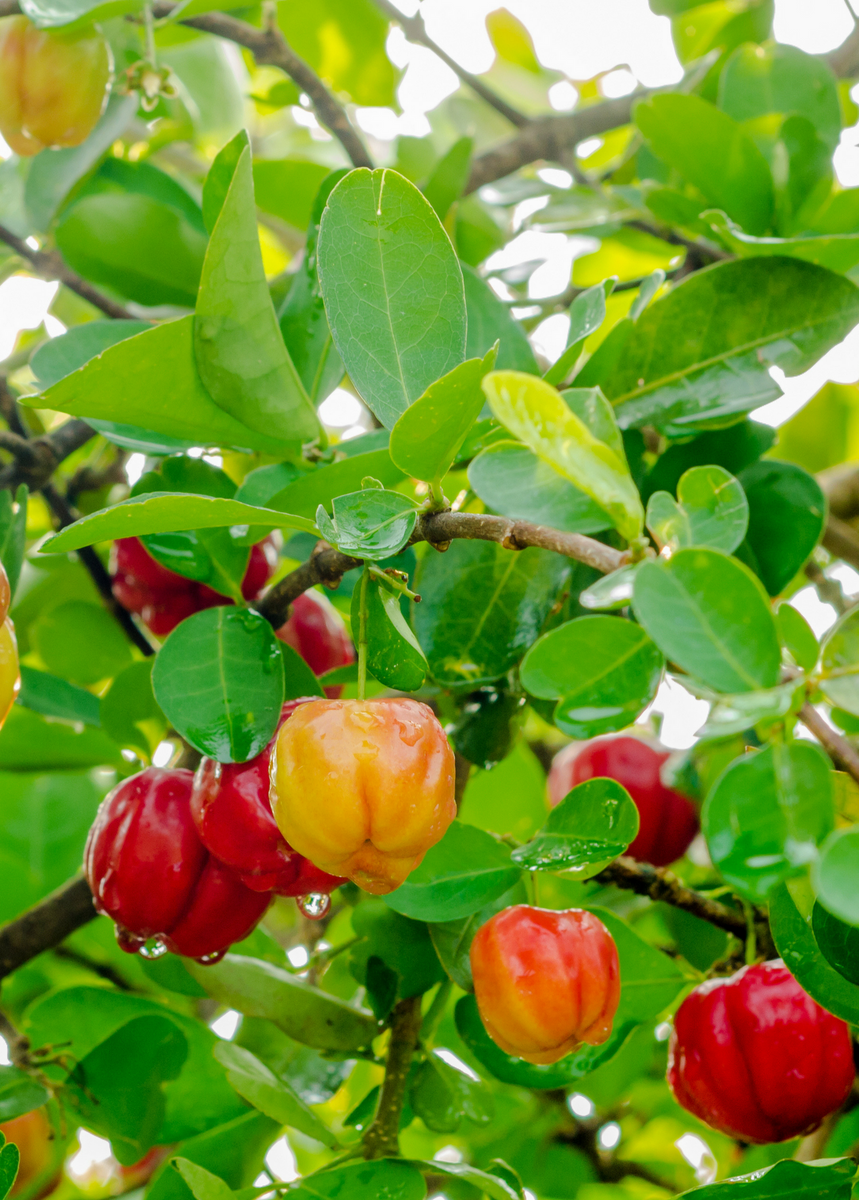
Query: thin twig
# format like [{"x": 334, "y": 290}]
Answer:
[
  {"x": 382, "y": 1137},
  {"x": 37, "y": 458},
  {"x": 842, "y": 540},
  {"x": 837, "y": 747},
  {"x": 50, "y": 265},
  {"x": 45, "y": 925},
  {"x": 829, "y": 590},
  {"x": 415, "y": 31}
]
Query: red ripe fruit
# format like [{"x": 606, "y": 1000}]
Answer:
[
  {"x": 149, "y": 871},
  {"x": 545, "y": 981},
  {"x": 231, "y": 810},
  {"x": 317, "y": 632},
  {"x": 755, "y": 1057},
  {"x": 668, "y": 821},
  {"x": 163, "y": 599}
]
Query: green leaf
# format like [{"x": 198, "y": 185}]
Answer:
[
  {"x": 310, "y": 1016},
  {"x": 136, "y": 246},
  {"x": 490, "y": 321},
  {"x": 592, "y": 825},
  {"x": 837, "y": 941},
  {"x": 786, "y": 1180},
  {"x": 735, "y": 714},
  {"x": 702, "y": 351},
  {"x": 162, "y": 392},
  {"x": 371, "y": 524},
  {"x": 452, "y": 939},
  {"x": 289, "y": 187},
  {"x": 536, "y": 414},
  {"x": 13, "y": 532},
  {"x": 840, "y": 663},
  {"x": 30, "y": 743},
  {"x": 450, "y": 175},
  {"x": 797, "y": 637},
  {"x": 604, "y": 669},
  {"x": 711, "y": 510},
  {"x": 511, "y": 480},
  {"x": 234, "y": 1151},
  {"x": 482, "y": 607},
  {"x": 836, "y": 251},
  {"x": 129, "y": 712},
  {"x": 116, "y": 1088},
  {"x": 426, "y": 439},
  {"x": 81, "y": 642},
  {"x": 709, "y": 614},
  {"x": 713, "y": 152},
  {"x": 304, "y": 494},
  {"x": 264, "y": 1090},
  {"x": 459, "y": 875},
  {"x": 219, "y": 680},
  {"x": 834, "y": 875},
  {"x": 587, "y": 313},
  {"x": 203, "y": 1184},
  {"x": 384, "y": 1179},
  {"x": 241, "y": 356},
  {"x": 757, "y": 81},
  {"x": 54, "y": 697},
  {"x": 787, "y": 511},
  {"x": 766, "y": 815},
  {"x": 486, "y": 728},
  {"x": 161, "y": 512},
  {"x": 488, "y": 1183},
  {"x": 443, "y": 1092},
  {"x": 401, "y": 945},
  {"x": 10, "y": 1160},
  {"x": 392, "y": 288},
  {"x": 302, "y": 318},
  {"x": 394, "y": 656},
  {"x": 19, "y": 1093}
]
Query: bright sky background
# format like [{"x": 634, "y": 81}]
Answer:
[{"x": 580, "y": 38}]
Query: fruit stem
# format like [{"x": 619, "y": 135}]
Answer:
[
  {"x": 362, "y": 633},
  {"x": 751, "y": 940}
]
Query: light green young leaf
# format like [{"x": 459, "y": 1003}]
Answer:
[
  {"x": 587, "y": 313},
  {"x": 161, "y": 392},
  {"x": 203, "y": 1184},
  {"x": 513, "y": 481},
  {"x": 162, "y": 512},
  {"x": 797, "y": 636},
  {"x": 272, "y": 1095},
  {"x": 241, "y": 356},
  {"x": 711, "y": 510},
  {"x": 837, "y": 251},
  {"x": 840, "y": 662},
  {"x": 427, "y": 437},
  {"x": 392, "y": 288},
  {"x": 536, "y": 414}
]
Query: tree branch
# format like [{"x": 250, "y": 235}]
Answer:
[
  {"x": 270, "y": 48},
  {"x": 327, "y": 566},
  {"x": 45, "y": 925},
  {"x": 837, "y": 747},
  {"x": 382, "y": 1137},
  {"x": 842, "y": 540},
  {"x": 36, "y": 459},
  {"x": 50, "y": 265},
  {"x": 415, "y": 31},
  {"x": 660, "y": 884}
]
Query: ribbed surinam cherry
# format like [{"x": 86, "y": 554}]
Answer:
[
  {"x": 33, "y": 1136},
  {"x": 149, "y": 871},
  {"x": 545, "y": 981},
  {"x": 317, "y": 631},
  {"x": 53, "y": 85},
  {"x": 231, "y": 810},
  {"x": 363, "y": 788},
  {"x": 163, "y": 599},
  {"x": 668, "y": 820},
  {"x": 755, "y": 1057}
]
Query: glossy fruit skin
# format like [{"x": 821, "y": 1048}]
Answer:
[
  {"x": 10, "y": 672},
  {"x": 317, "y": 631},
  {"x": 32, "y": 1134},
  {"x": 755, "y": 1057},
  {"x": 668, "y": 821},
  {"x": 363, "y": 788},
  {"x": 545, "y": 981},
  {"x": 163, "y": 598},
  {"x": 149, "y": 871},
  {"x": 53, "y": 86},
  {"x": 232, "y": 813}
]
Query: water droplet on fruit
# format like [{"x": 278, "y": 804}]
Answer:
[
  {"x": 152, "y": 948},
  {"x": 127, "y": 941},
  {"x": 209, "y": 960},
  {"x": 314, "y": 906}
]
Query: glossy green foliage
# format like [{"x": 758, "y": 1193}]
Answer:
[
  {"x": 372, "y": 524},
  {"x": 393, "y": 654},
  {"x": 838, "y": 942},
  {"x": 711, "y": 509},
  {"x": 806, "y": 1181},
  {"x": 592, "y": 825},
  {"x": 258, "y": 1085},
  {"x": 490, "y": 321},
  {"x": 766, "y": 815},
  {"x": 392, "y": 288},
  {"x": 603, "y": 671},
  {"x": 513, "y": 480},
  {"x": 787, "y": 510},
  {"x": 229, "y": 660}
]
